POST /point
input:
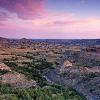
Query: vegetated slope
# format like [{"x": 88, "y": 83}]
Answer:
[
  {"x": 53, "y": 92},
  {"x": 10, "y": 91}
]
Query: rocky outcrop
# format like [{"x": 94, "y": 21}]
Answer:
[
  {"x": 4, "y": 67},
  {"x": 17, "y": 80},
  {"x": 66, "y": 64}
]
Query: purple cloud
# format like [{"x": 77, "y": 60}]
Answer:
[
  {"x": 3, "y": 16},
  {"x": 26, "y": 9},
  {"x": 70, "y": 22}
]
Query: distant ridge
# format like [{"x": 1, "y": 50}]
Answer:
[
  {"x": 24, "y": 41},
  {"x": 3, "y": 40}
]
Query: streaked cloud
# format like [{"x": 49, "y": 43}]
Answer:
[{"x": 26, "y": 9}]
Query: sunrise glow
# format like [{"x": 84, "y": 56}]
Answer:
[{"x": 50, "y": 18}]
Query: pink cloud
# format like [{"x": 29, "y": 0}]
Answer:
[
  {"x": 68, "y": 22},
  {"x": 24, "y": 8}
]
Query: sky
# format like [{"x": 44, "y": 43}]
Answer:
[{"x": 50, "y": 19}]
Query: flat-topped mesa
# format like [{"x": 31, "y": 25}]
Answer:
[
  {"x": 25, "y": 40},
  {"x": 93, "y": 49}
]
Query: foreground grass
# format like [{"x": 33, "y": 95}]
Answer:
[{"x": 53, "y": 92}]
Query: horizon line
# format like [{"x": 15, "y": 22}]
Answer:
[{"x": 52, "y": 38}]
